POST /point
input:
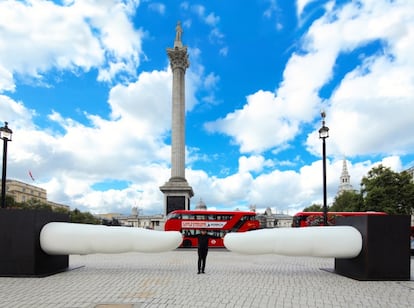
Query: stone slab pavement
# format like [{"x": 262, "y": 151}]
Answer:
[{"x": 170, "y": 279}]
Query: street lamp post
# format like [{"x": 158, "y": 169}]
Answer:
[
  {"x": 6, "y": 135},
  {"x": 323, "y": 134}
]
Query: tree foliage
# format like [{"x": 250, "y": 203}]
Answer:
[
  {"x": 313, "y": 208},
  {"x": 382, "y": 190},
  {"x": 347, "y": 201},
  {"x": 75, "y": 215},
  {"x": 388, "y": 191}
]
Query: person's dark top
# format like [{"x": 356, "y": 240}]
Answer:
[{"x": 203, "y": 241}]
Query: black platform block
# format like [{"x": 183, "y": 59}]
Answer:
[
  {"x": 385, "y": 253},
  {"x": 20, "y": 252}
]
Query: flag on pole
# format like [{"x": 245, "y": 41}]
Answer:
[{"x": 31, "y": 175}]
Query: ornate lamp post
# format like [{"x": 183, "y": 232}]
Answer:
[
  {"x": 323, "y": 134},
  {"x": 6, "y": 135}
]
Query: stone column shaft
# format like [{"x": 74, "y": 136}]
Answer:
[
  {"x": 179, "y": 63},
  {"x": 178, "y": 125}
]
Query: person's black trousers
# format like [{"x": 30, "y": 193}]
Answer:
[{"x": 202, "y": 255}]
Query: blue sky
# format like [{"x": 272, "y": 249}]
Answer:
[{"x": 86, "y": 88}]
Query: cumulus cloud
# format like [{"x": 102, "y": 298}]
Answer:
[
  {"x": 300, "y": 6},
  {"x": 371, "y": 106},
  {"x": 127, "y": 150},
  {"x": 72, "y": 162},
  {"x": 252, "y": 163},
  {"x": 369, "y": 113},
  {"x": 380, "y": 85},
  {"x": 77, "y": 36},
  {"x": 129, "y": 146},
  {"x": 250, "y": 127}
]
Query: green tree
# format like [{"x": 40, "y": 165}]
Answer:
[
  {"x": 313, "y": 208},
  {"x": 77, "y": 216},
  {"x": 36, "y": 204},
  {"x": 387, "y": 191},
  {"x": 10, "y": 202},
  {"x": 347, "y": 201}
]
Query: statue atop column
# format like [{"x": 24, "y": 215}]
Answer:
[{"x": 178, "y": 33}]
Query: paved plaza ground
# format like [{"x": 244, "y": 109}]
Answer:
[{"x": 170, "y": 279}]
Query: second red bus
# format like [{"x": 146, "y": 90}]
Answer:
[{"x": 308, "y": 219}]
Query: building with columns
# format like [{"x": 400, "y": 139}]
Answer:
[
  {"x": 22, "y": 192},
  {"x": 177, "y": 192}
]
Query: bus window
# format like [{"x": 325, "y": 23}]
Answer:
[
  {"x": 224, "y": 217},
  {"x": 247, "y": 217},
  {"x": 173, "y": 216}
]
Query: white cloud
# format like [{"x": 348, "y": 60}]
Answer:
[
  {"x": 370, "y": 110},
  {"x": 129, "y": 146},
  {"x": 211, "y": 81},
  {"x": 252, "y": 163},
  {"x": 369, "y": 113},
  {"x": 79, "y": 36},
  {"x": 259, "y": 126},
  {"x": 300, "y": 6},
  {"x": 382, "y": 85},
  {"x": 212, "y": 20},
  {"x": 15, "y": 111},
  {"x": 287, "y": 191},
  {"x": 146, "y": 101},
  {"x": 157, "y": 7}
]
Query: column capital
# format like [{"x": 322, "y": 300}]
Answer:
[{"x": 178, "y": 58}]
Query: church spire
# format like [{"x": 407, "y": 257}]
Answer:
[{"x": 345, "y": 179}]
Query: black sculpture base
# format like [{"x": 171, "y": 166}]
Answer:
[
  {"x": 385, "y": 251},
  {"x": 20, "y": 251}
]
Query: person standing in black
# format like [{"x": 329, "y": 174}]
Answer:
[{"x": 202, "y": 250}]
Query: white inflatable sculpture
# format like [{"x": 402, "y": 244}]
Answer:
[
  {"x": 60, "y": 238},
  {"x": 336, "y": 242}
]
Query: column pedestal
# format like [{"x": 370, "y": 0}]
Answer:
[{"x": 177, "y": 195}]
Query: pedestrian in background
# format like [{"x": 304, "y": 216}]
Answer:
[{"x": 202, "y": 250}]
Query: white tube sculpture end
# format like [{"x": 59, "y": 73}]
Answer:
[
  {"x": 336, "y": 242},
  {"x": 60, "y": 238}
]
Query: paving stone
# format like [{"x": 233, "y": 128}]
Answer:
[{"x": 139, "y": 280}]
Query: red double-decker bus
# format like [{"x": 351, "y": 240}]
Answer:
[
  {"x": 308, "y": 219},
  {"x": 217, "y": 224}
]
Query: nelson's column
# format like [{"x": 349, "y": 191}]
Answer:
[{"x": 177, "y": 192}]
